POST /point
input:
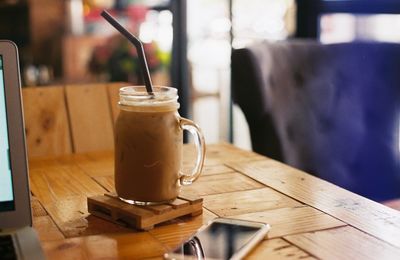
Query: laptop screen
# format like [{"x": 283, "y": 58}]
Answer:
[{"x": 6, "y": 187}]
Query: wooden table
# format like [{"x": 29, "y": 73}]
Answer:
[{"x": 310, "y": 218}]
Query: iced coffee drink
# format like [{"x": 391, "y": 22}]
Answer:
[{"x": 148, "y": 146}]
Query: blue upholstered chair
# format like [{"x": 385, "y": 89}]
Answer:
[{"x": 331, "y": 110}]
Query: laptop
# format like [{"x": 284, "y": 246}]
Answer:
[{"x": 18, "y": 240}]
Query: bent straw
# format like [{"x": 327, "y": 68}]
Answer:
[{"x": 139, "y": 47}]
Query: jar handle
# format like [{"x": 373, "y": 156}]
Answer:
[{"x": 186, "y": 124}]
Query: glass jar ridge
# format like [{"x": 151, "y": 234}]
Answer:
[{"x": 137, "y": 98}]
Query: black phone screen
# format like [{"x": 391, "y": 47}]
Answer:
[{"x": 219, "y": 240}]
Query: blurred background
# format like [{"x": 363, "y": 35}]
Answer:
[{"x": 188, "y": 43}]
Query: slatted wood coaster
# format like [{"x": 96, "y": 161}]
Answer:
[{"x": 110, "y": 208}]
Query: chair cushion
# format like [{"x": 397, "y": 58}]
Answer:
[{"x": 335, "y": 109}]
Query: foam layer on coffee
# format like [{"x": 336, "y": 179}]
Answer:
[{"x": 137, "y": 99}]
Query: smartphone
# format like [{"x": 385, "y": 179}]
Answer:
[{"x": 222, "y": 238}]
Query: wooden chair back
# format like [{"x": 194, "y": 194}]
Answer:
[
  {"x": 90, "y": 118},
  {"x": 46, "y": 122},
  {"x": 70, "y": 119}
]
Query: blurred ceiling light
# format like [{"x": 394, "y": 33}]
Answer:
[
  {"x": 165, "y": 17},
  {"x": 158, "y": 28},
  {"x": 147, "y": 29},
  {"x": 164, "y": 33},
  {"x": 164, "y": 37},
  {"x": 220, "y": 25},
  {"x": 336, "y": 28},
  {"x": 384, "y": 27},
  {"x": 275, "y": 26},
  {"x": 74, "y": 17},
  {"x": 210, "y": 52},
  {"x": 239, "y": 43},
  {"x": 278, "y": 7},
  {"x": 146, "y": 32}
]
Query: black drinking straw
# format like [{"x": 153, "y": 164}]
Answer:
[{"x": 139, "y": 47}]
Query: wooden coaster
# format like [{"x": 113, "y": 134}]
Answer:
[{"x": 110, "y": 208}]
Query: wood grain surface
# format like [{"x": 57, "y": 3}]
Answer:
[
  {"x": 46, "y": 121},
  {"x": 309, "y": 218},
  {"x": 244, "y": 201},
  {"x": 129, "y": 245},
  {"x": 371, "y": 217},
  {"x": 344, "y": 243},
  {"x": 293, "y": 220},
  {"x": 90, "y": 116},
  {"x": 278, "y": 249}
]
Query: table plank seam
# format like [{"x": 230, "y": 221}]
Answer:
[
  {"x": 302, "y": 202},
  {"x": 316, "y": 230},
  {"x": 102, "y": 186},
  {"x": 309, "y": 218},
  {"x": 55, "y": 223},
  {"x": 265, "y": 185},
  {"x": 302, "y": 249},
  {"x": 324, "y": 210}
]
